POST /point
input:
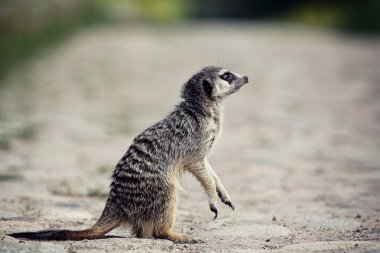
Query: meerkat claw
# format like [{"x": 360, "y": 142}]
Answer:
[
  {"x": 229, "y": 203},
  {"x": 213, "y": 209}
]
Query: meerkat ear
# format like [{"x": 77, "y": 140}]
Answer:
[{"x": 207, "y": 86}]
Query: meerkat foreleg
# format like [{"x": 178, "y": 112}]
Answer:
[
  {"x": 222, "y": 192},
  {"x": 201, "y": 172}
]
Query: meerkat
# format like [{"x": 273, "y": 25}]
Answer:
[{"x": 143, "y": 192}]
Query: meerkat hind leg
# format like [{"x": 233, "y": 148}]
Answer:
[
  {"x": 143, "y": 230},
  {"x": 165, "y": 231},
  {"x": 176, "y": 237},
  {"x": 164, "y": 228}
]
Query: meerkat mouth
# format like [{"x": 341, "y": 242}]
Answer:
[
  {"x": 243, "y": 81},
  {"x": 236, "y": 87}
]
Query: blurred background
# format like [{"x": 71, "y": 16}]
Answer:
[
  {"x": 26, "y": 26},
  {"x": 300, "y": 146}
]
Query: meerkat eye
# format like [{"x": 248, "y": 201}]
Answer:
[{"x": 227, "y": 76}]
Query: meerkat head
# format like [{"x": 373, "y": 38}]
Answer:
[{"x": 212, "y": 83}]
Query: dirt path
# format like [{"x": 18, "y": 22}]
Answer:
[{"x": 299, "y": 152}]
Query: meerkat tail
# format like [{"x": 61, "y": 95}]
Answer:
[{"x": 105, "y": 224}]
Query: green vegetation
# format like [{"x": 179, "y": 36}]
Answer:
[
  {"x": 9, "y": 176},
  {"x": 5, "y": 143},
  {"x": 97, "y": 192},
  {"x": 164, "y": 10},
  {"x": 62, "y": 189},
  {"x": 26, "y": 132},
  {"x": 321, "y": 14},
  {"x": 103, "y": 169},
  {"x": 27, "y": 27},
  {"x": 358, "y": 16}
]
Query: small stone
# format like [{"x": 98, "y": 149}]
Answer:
[
  {"x": 274, "y": 218},
  {"x": 267, "y": 240},
  {"x": 358, "y": 216},
  {"x": 356, "y": 245}
]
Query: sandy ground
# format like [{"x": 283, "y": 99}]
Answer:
[{"x": 299, "y": 152}]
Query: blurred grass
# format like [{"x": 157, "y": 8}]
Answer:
[
  {"x": 102, "y": 169},
  {"x": 97, "y": 192},
  {"x": 9, "y": 176},
  {"x": 27, "y": 27},
  {"x": 364, "y": 16},
  {"x": 351, "y": 16},
  {"x": 26, "y": 132},
  {"x": 321, "y": 14},
  {"x": 5, "y": 143},
  {"x": 63, "y": 188},
  {"x": 164, "y": 10}
]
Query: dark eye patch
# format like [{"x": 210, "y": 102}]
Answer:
[{"x": 228, "y": 76}]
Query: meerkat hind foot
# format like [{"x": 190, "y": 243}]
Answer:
[{"x": 179, "y": 238}]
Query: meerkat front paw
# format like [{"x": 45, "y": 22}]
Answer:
[
  {"x": 214, "y": 210},
  {"x": 226, "y": 200},
  {"x": 228, "y": 203}
]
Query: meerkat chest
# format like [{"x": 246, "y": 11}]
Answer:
[{"x": 212, "y": 130}]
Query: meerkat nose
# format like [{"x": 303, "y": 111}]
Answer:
[{"x": 245, "y": 78}]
